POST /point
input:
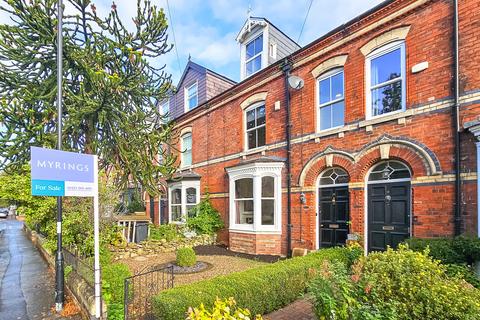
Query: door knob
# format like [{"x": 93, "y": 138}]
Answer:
[{"x": 387, "y": 199}]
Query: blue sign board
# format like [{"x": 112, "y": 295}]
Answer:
[{"x": 61, "y": 173}]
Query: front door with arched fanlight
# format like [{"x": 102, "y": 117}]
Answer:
[
  {"x": 333, "y": 207},
  {"x": 389, "y": 199}
]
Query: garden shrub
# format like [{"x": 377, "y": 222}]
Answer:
[
  {"x": 136, "y": 204},
  {"x": 398, "y": 285},
  {"x": 186, "y": 257},
  {"x": 168, "y": 232},
  {"x": 464, "y": 272},
  {"x": 459, "y": 250},
  {"x": 113, "y": 279},
  {"x": 261, "y": 290},
  {"x": 222, "y": 310},
  {"x": 207, "y": 220}
]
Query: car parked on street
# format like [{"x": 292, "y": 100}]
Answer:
[{"x": 4, "y": 212}]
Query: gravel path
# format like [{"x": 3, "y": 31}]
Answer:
[{"x": 222, "y": 265}]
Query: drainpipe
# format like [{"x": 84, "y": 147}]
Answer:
[
  {"x": 286, "y": 71},
  {"x": 456, "y": 121}
]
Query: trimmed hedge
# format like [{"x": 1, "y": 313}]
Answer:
[
  {"x": 261, "y": 290},
  {"x": 457, "y": 250}
]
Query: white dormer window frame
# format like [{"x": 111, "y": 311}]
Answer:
[
  {"x": 165, "y": 110},
  {"x": 189, "y": 95},
  {"x": 263, "y": 54}
]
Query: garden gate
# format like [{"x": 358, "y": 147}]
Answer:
[{"x": 141, "y": 288}]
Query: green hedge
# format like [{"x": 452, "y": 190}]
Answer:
[
  {"x": 459, "y": 250},
  {"x": 261, "y": 290}
]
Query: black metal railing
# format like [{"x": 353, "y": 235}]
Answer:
[
  {"x": 83, "y": 266},
  {"x": 141, "y": 288}
]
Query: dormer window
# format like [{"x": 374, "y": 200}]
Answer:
[
  {"x": 165, "y": 110},
  {"x": 191, "y": 97},
  {"x": 253, "y": 55}
]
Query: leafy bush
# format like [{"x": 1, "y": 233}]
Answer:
[
  {"x": 135, "y": 205},
  {"x": 208, "y": 219},
  {"x": 186, "y": 257},
  {"x": 168, "y": 232},
  {"x": 222, "y": 310},
  {"x": 113, "y": 278},
  {"x": 261, "y": 290},
  {"x": 397, "y": 285},
  {"x": 464, "y": 272},
  {"x": 459, "y": 250}
]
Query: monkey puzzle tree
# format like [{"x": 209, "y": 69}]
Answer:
[{"x": 111, "y": 88}]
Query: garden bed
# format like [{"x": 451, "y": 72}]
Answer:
[
  {"x": 221, "y": 250},
  {"x": 221, "y": 265}
]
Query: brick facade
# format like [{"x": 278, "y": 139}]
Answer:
[{"x": 421, "y": 137}]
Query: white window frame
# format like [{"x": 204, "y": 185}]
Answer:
[
  {"x": 243, "y": 52},
  {"x": 187, "y": 97},
  {"x": 246, "y": 131},
  {"x": 260, "y": 54},
  {"x": 183, "y": 186},
  {"x": 164, "y": 109},
  {"x": 378, "y": 53},
  {"x": 183, "y": 150},
  {"x": 257, "y": 171},
  {"x": 328, "y": 74}
]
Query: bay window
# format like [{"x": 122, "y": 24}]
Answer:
[
  {"x": 386, "y": 80},
  {"x": 183, "y": 197},
  {"x": 255, "y": 197}
]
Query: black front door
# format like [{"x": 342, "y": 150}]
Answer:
[
  {"x": 388, "y": 215},
  {"x": 163, "y": 211},
  {"x": 334, "y": 216}
]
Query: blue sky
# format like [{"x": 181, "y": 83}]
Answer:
[{"x": 206, "y": 29}]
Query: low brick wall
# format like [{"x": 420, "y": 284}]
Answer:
[
  {"x": 255, "y": 243},
  {"x": 76, "y": 286}
]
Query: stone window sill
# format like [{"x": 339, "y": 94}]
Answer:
[{"x": 385, "y": 118}]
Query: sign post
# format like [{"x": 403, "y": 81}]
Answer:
[
  {"x": 60, "y": 173},
  {"x": 59, "y": 271}
]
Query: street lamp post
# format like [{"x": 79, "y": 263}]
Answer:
[{"x": 59, "y": 275}]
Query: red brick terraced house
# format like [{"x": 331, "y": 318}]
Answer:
[{"x": 371, "y": 131}]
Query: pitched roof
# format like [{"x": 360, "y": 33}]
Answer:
[
  {"x": 261, "y": 21},
  {"x": 201, "y": 69}
]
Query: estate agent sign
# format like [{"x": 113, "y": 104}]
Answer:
[{"x": 60, "y": 173}]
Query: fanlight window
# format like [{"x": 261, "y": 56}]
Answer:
[
  {"x": 334, "y": 176},
  {"x": 389, "y": 170}
]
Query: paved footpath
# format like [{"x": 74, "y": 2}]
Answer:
[
  {"x": 27, "y": 285},
  {"x": 298, "y": 310}
]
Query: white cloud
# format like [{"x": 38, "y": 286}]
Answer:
[
  {"x": 206, "y": 29},
  {"x": 220, "y": 52}
]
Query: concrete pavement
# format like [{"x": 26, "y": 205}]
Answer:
[{"x": 27, "y": 285}]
